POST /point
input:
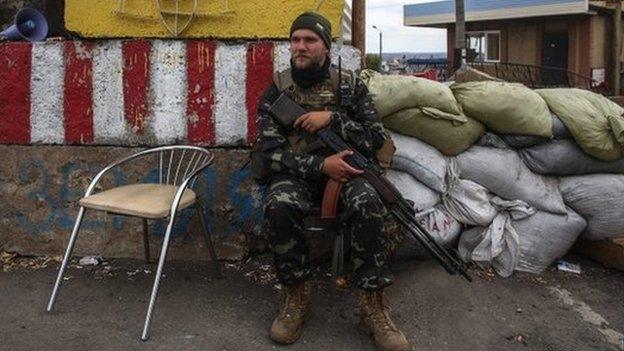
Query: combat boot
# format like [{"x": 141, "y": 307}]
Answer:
[
  {"x": 375, "y": 320},
  {"x": 286, "y": 327}
]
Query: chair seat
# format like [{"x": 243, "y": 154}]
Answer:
[{"x": 143, "y": 200}]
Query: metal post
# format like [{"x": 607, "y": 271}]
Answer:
[
  {"x": 460, "y": 34},
  {"x": 380, "y": 46},
  {"x": 617, "y": 48},
  {"x": 380, "y": 51}
]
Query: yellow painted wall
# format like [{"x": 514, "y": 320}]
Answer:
[{"x": 250, "y": 18}]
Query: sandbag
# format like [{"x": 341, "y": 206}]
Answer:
[
  {"x": 599, "y": 199},
  {"x": 392, "y": 93},
  {"x": 560, "y": 131},
  {"x": 504, "y": 173},
  {"x": 545, "y": 238},
  {"x": 595, "y": 122},
  {"x": 497, "y": 245},
  {"x": 528, "y": 244},
  {"x": 566, "y": 158},
  {"x": 411, "y": 189},
  {"x": 505, "y": 108},
  {"x": 422, "y": 161},
  {"x": 450, "y": 134},
  {"x": 517, "y": 141},
  {"x": 442, "y": 227},
  {"x": 467, "y": 201}
]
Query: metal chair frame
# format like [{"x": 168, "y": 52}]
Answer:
[{"x": 200, "y": 159}]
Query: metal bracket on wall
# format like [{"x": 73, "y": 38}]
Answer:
[{"x": 175, "y": 17}]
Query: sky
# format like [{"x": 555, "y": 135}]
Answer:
[{"x": 387, "y": 15}]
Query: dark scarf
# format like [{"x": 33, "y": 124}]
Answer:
[{"x": 307, "y": 78}]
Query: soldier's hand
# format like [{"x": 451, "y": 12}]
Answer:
[
  {"x": 338, "y": 169},
  {"x": 313, "y": 121}
]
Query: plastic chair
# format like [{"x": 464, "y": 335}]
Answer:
[{"x": 178, "y": 168}]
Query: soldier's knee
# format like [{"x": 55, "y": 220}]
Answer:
[{"x": 276, "y": 208}]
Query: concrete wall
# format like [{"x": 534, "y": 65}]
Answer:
[
  {"x": 141, "y": 18},
  {"x": 130, "y": 93},
  {"x": 41, "y": 185},
  {"x": 75, "y": 106}
]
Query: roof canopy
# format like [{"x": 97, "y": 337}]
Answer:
[{"x": 443, "y": 12}]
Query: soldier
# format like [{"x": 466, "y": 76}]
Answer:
[{"x": 296, "y": 180}]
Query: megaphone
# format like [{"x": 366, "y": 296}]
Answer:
[{"x": 30, "y": 25}]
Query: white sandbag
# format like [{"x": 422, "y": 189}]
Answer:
[
  {"x": 503, "y": 173},
  {"x": 599, "y": 199},
  {"x": 421, "y": 160},
  {"x": 545, "y": 238},
  {"x": 467, "y": 201},
  {"x": 542, "y": 238},
  {"x": 566, "y": 158},
  {"x": 442, "y": 227},
  {"x": 497, "y": 245},
  {"x": 413, "y": 190}
]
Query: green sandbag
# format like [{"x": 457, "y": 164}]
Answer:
[
  {"x": 448, "y": 133},
  {"x": 392, "y": 93},
  {"x": 595, "y": 122},
  {"x": 505, "y": 108}
]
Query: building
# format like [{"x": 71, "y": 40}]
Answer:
[{"x": 573, "y": 35}]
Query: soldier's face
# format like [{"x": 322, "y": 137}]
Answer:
[{"x": 307, "y": 49}]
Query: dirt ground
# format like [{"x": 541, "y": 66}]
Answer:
[{"x": 103, "y": 307}]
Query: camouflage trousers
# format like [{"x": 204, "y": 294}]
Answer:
[{"x": 361, "y": 212}]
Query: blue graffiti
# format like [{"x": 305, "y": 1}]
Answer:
[{"x": 62, "y": 216}]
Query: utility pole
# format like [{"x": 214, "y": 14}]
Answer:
[
  {"x": 460, "y": 34},
  {"x": 358, "y": 27},
  {"x": 380, "y": 46},
  {"x": 617, "y": 48}
]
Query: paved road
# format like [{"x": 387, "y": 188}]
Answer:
[{"x": 96, "y": 311}]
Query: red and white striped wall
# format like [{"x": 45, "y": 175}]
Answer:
[{"x": 137, "y": 92}]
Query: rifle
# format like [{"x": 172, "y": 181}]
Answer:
[{"x": 286, "y": 111}]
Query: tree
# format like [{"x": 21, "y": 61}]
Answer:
[{"x": 373, "y": 62}]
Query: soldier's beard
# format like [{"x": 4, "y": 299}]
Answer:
[{"x": 307, "y": 77}]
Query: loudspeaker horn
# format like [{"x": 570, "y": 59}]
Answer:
[{"x": 29, "y": 25}]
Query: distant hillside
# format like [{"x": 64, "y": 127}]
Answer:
[{"x": 408, "y": 55}]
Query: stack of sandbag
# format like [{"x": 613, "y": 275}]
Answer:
[
  {"x": 419, "y": 172},
  {"x": 506, "y": 193},
  {"x": 423, "y": 109}
]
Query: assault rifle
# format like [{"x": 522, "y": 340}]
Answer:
[{"x": 286, "y": 111}]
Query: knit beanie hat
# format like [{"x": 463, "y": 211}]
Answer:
[{"x": 316, "y": 23}]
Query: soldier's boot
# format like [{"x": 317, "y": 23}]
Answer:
[
  {"x": 286, "y": 327},
  {"x": 375, "y": 320}
]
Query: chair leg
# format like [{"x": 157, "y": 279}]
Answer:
[
  {"x": 68, "y": 252},
  {"x": 209, "y": 244},
  {"x": 161, "y": 264},
  {"x": 146, "y": 248}
]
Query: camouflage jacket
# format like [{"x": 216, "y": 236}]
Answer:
[{"x": 358, "y": 124}]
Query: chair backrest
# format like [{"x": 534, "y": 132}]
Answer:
[{"x": 177, "y": 163}]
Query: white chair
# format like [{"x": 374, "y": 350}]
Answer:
[{"x": 179, "y": 167}]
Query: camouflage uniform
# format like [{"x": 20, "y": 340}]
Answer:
[{"x": 296, "y": 185}]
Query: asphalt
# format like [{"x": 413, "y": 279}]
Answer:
[{"x": 103, "y": 308}]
